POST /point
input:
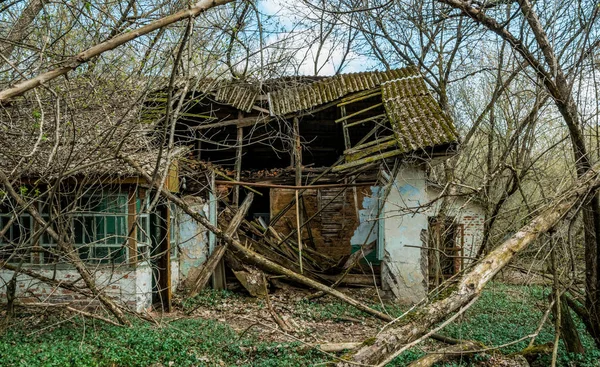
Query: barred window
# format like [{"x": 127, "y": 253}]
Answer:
[{"x": 96, "y": 225}]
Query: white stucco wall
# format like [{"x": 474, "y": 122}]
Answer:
[
  {"x": 401, "y": 271},
  {"x": 192, "y": 240},
  {"x": 126, "y": 285},
  {"x": 405, "y": 213}
]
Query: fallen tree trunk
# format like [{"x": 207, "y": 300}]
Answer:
[
  {"x": 249, "y": 255},
  {"x": 402, "y": 334}
]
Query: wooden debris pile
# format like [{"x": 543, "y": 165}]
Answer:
[{"x": 277, "y": 247}]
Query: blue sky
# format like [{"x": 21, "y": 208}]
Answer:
[{"x": 288, "y": 20}]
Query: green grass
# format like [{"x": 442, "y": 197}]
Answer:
[
  {"x": 502, "y": 315},
  {"x": 180, "y": 343},
  {"x": 505, "y": 313}
]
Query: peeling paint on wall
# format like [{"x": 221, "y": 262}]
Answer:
[
  {"x": 192, "y": 239},
  {"x": 127, "y": 286},
  {"x": 405, "y": 223},
  {"x": 367, "y": 230}
]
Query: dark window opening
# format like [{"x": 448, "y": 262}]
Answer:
[
  {"x": 445, "y": 250},
  {"x": 261, "y": 204}
]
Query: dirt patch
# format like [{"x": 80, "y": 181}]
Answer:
[{"x": 325, "y": 320}]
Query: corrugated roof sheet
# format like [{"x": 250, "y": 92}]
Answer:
[
  {"x": 327, "y": 90},
  {"x": 416, "y": 118},
  {"x": 240, "y": 96}
]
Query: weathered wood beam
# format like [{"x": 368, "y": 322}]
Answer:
[
  {"x": 305, "y": 187},
  {"x": 360, "y": 162},
  {"x": 239, "y": 151},
  {"x": 358, "y": 148},
  {"x": 341, "y": 119},
  {"x": 359, "y": 98},
  {"x": 368, "y": 119},
  {"x": 239, "y": 122}
]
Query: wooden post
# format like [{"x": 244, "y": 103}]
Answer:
[
  {"x": 348, "y": 145},
  {"x": 297, "y": 148},
  {"x": 164, "y": 262},
  {"x": 218, "y": 276},
  {"x": 238, "y": 161},
  {"x": 131, "y": 225}
]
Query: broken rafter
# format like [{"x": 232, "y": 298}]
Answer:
[
  {"x": 359, "y": 98},
  {"x": 239, "y": 122},
  {"x": 372, "y": 118},
  {"x": 391, "y": 153},
  {"x": 382, "y": 147},
  {"x": 308, "y": 187},
  {"x": 341, "y": 119},
  {"x": 359, "y": 148}
]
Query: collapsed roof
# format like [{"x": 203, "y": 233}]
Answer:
[{"x": 417, "y": 123}]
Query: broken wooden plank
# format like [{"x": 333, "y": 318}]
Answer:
[
  {"x": 252, "y": 280},
  {"x": 368, "y": 119},
  {"x": 358, "y": 148},
  {"x": 213, "y": 260},
  {"x": 371, "y": 150},
  {"x": 360, "y": 98}
]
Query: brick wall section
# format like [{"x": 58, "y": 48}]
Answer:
[
  {"x": 469, "y": 213},
  {"x": 331, "y": 231},
  {"x": 473, "y": 223}
]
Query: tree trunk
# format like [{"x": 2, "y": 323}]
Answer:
[
  {"x": 568, "y": 329},
  {"x": 19, "y": 30},
  {"x": 397, "y": 338}
]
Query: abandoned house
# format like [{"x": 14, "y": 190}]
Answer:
[
  {"x": 337, "y": 166},
  {"x": 354, "y": 150}
]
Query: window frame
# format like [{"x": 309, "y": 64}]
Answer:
[{"x": 99, "y": 243}]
